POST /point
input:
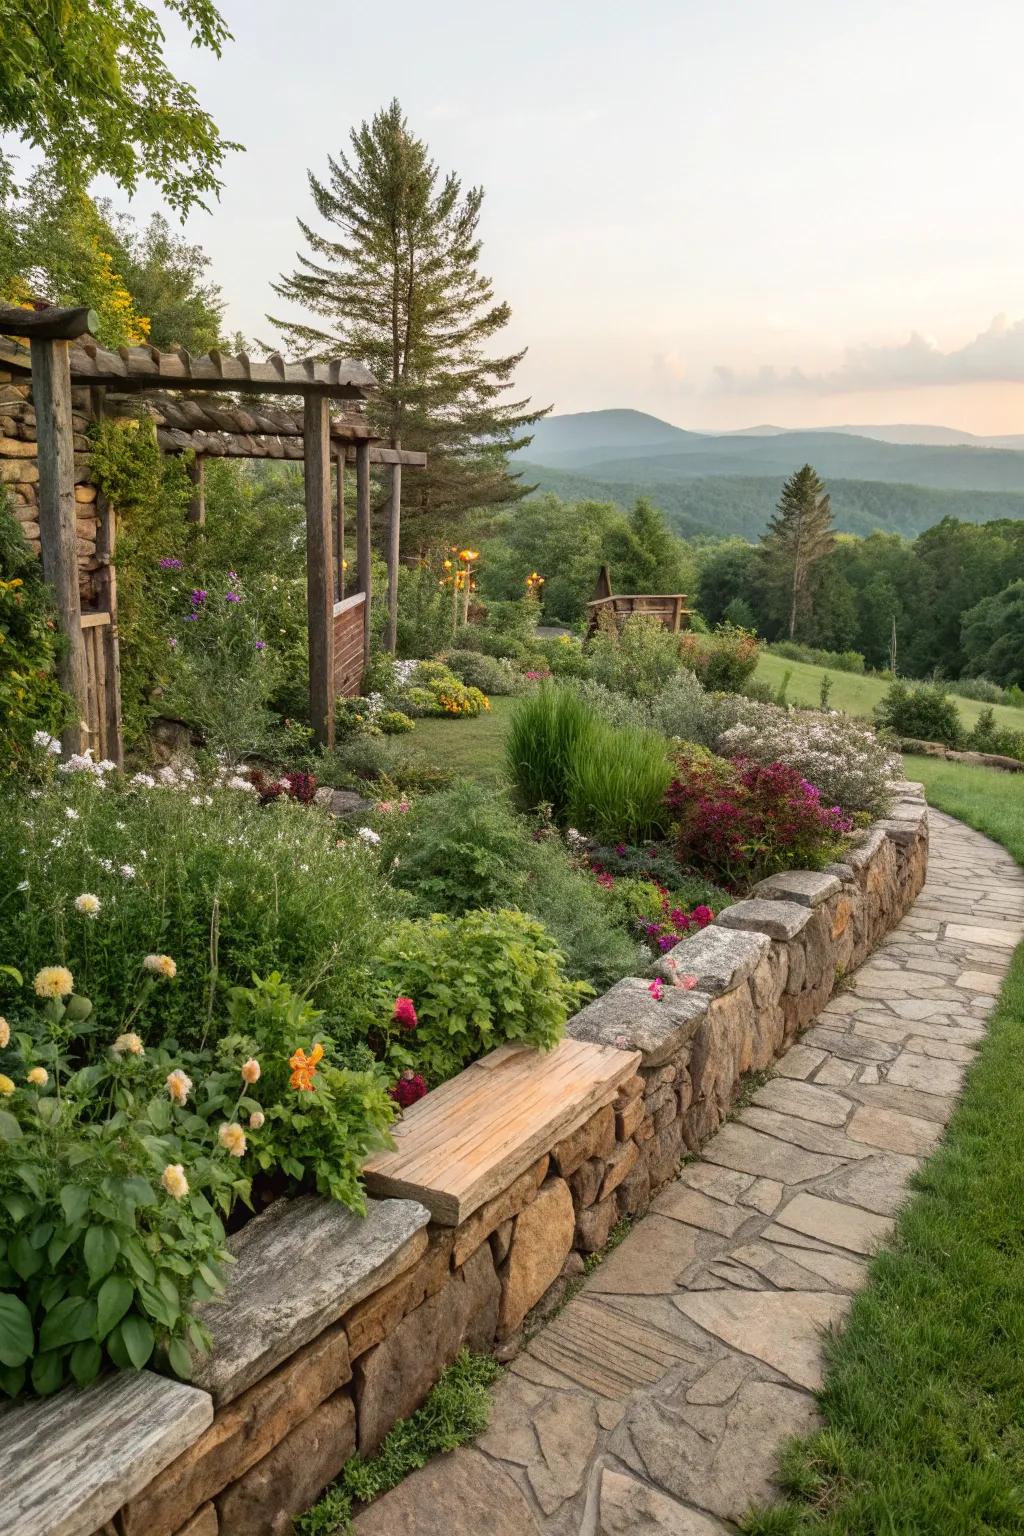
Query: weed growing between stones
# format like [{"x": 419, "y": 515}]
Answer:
[{"x": 457, "y": 1410}]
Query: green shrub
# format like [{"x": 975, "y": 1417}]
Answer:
[
  {"x": 394, "y": 723},
  {"x": 564, "y": 654},
  {"x": 461, "y": 848},
  {"x": 30, "y": 697},
  {"x": 226, "y": 887},
  {"x": 547, "y": 731},
  {"x": 723, "y": 661},
  {"x": 989, "y": 736},
  {"x": 637, "y": 659},
  {"x": 435, "y": 690},
  {"x": 488, "y": 673},
  {"x": 923, "y": 711},
  {"x": 109, "y": 1224},
  {"x": 841, "y": 661},
  {"x": 617, "y": 783},
  {"x": 319, "y": 1136},
  {"x": 477, "y": 981}
]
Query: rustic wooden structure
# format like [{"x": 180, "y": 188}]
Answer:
[
  {"x": 669, "y": 609},
  {"x": 189, "y": 401}
]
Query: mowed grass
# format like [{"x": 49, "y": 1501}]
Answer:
[
  {"x": 857, "y": 695},
  {"x": 924, "y": 1394},
  {"x": 474, "y": 748}
]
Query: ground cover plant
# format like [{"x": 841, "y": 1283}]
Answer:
[{"x": 924, "y": 1391}]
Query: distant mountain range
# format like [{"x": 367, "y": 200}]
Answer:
[{"x": 729, "y": 482}]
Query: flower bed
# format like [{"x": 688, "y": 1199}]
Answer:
[{"x": 334, "y": 1327}]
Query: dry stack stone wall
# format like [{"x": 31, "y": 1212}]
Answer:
[
  {"x": 336, "y": 1326},
  {"x": 19, "y": 471}
]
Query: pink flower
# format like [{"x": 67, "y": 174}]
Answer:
[
  {"x": 656, "y": 988},
  {"x": 410, "y": 1087},
  {"x": 405, "y": 1013}
]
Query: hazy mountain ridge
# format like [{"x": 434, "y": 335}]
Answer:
[
  {"x": 733, "y": 505},
  {"x": 631, "y": 447}
]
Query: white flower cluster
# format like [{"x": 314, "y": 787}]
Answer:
[
  {"x": 83, "y": 762},
  {"x": 404, "y": 671},
  {"x": 847, "y": 762},
  {"x": 46, "y": 743}
]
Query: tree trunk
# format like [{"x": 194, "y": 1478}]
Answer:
[{"x": 394, "y": 543}]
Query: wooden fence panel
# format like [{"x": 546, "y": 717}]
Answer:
[{"x": 349, "y": 645}]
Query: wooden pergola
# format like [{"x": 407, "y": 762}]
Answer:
[{"x": 164, "y": 385}]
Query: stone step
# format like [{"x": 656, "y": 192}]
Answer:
[
  {"x": 69, "y": 1462},
  {"x": 474, "y": 1135}
]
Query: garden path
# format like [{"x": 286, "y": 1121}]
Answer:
[{"x": 655, "y": 1402}]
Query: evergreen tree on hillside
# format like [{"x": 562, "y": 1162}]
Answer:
[
  {"x": 798, "y": 536},
  {"x": 394, "y": 281}
]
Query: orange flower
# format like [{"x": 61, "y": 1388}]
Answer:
[{"x": 304, "y": 1067}]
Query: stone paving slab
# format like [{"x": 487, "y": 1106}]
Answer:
[{"x": 656, "y": 1402}]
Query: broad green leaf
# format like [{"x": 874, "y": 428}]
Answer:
[
  {"x": 41, "y": 1234},
  {"x": 25, "y": 1260},
  {"x": 30, "y": 1177},
  {"x": 101, "y": 1249},
  {"x": 138, "y": 1340},
  {"x": 86, "y": 1359},
  {"x": 139, "y": 1260},
  {"x": 180, "y": 1359},
  {"x": 114, "y": 1298},
  {"x": 47, "y": 1372},
  {"x": 115, "y": 1347},
  {"x": 17, "y": 1337},
  {"x": 12, "y": 1380},
  {"x": 74, "y": 1202},
  {"x": 10, "y": 1130},
  {"x": 71, "y": 1321}
]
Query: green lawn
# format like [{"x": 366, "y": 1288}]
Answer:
[
  {"x": 473, "y": 747},
  {"x": 858, "y": 695},
  {"x": 924, "y": 1396}
]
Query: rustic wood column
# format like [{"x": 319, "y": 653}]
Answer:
[
  {"x": 363, "y": 536},
  {"x": 197, "y": 506},
  {"x": 339, "y": 524},
  {"x": 319, "y": 568},
  {"x": 51, "y": 397},
  {"x": 394, "y": 544}
]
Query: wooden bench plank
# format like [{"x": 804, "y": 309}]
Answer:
[{"x": 474, "y": 1135}]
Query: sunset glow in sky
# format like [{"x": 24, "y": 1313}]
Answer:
[{"x": 725, "y": 212}]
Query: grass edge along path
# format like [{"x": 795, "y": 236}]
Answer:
[{"x": 923, "y": 1399}]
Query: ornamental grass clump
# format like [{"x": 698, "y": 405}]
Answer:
[
  {"x": 739, "y": 822},
  {"x": 549, "y": 730}
]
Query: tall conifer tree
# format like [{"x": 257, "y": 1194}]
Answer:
[
  {"x": 798, "y": 536},
  {"x": 394, "y": 281}
]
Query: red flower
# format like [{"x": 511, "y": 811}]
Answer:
[
  {"x": 405, "y": 1013},
  {"x": 410, "y": 1087}
]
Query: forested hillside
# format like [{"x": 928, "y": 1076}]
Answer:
[{"x": 726, "y": 506}]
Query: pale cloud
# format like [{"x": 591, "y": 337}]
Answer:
[{"x": 996, "y": 355}]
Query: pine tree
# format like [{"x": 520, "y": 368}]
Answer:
[
  {"x": 798, "y": 536},
  {"x": 395, "y": 280}
]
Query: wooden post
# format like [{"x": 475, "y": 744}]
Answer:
[
  {"x": 106, "y": 585},
  {"x": 197, "y": 506},
  {"x": 51, "y": 398},
  {"x": 319, "y": 571},
  {"x": 339, "y": 525},
  {"x": 363, "y": 536},
  {"x": 394, "y": 543}
]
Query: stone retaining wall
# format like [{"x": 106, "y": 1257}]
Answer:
[{"x": 336, "y": 1327}]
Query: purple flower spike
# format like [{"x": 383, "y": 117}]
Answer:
[
  {"x": 169, "y": 563},
  {"x": 233, "y": 577},
  {"x": 198, "y": 596},
  {"x": 232, "y": 597},
  {"x": 261, "y": 645}
]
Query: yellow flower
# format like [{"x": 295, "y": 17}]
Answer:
[
  {"x": 87, "y": 904},
  {"x": 256, "y": 1119},
  {"x": 179, "y": 1086},
  {"x": 250, "y": 1071},
  {"x": 6, "y": 1086},
  {"x": 232, "y": 1137},
  {"x": 129, "y": 1045},
  {"x": 39, "y": 1077},
  {"x": 54, "y": 981},
  {"x": 160, "y": 965},
  {"x": 5, "y": 1033},
  {"x": 174, "y": 1181}
]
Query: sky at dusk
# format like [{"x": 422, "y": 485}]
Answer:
[{"x": 725, "y": 213}]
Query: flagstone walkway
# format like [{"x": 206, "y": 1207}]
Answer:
[{"x": 655, "y": 1402}]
